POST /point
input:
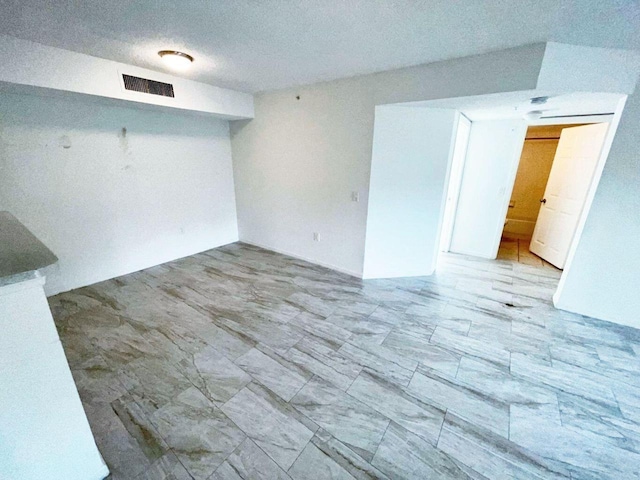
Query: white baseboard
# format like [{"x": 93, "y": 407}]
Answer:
[
  {"x": 300, "y": 257},
  {"x": 50, "y": 292}
]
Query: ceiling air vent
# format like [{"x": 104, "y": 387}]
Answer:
[{"x": 144, "y": 85}]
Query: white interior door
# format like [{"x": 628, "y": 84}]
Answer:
[{"x": 571, "y": 175}]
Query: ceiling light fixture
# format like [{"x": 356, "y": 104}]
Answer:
[{"x": 176, "y": 60}]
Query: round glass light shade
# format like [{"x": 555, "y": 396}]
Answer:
[{"x": 176, "y": 60}]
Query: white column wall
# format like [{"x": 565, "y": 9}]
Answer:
[{"x": 410, "y": 164}]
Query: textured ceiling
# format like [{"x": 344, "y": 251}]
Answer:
[{"x": 254, "y": 45}]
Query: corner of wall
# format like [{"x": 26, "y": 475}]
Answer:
[{"x": 575, "y": 68}]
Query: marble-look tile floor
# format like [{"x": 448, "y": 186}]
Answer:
[{"x": 239, "y": 363}]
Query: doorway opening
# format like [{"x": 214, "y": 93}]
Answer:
[
  {"x": 443, "y": 172},
  {"x": 555, "y": 171},
  {"x": 527, "y": 181}
]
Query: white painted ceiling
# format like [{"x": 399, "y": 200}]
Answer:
[{"x": 256, "y": 45}]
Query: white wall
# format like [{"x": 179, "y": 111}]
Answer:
[
  {"x": 298, "y": 161},
  {"x": 412, "y": 149},
  {"x": 30, "y": 65},
  {"x": 603, "y": 275},
  {"x": 107, "y": 203},
  {"x": 493, "y": 152}
]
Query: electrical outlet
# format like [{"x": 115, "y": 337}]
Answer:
[
  {"x": 316, "y": 237},
  {"x": 355, "y": 196}
]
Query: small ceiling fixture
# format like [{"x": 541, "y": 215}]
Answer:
[
  {"x": 533, "y": 115},
  {"x": 539, "y": 100},
  {"x": 176, "y": 60}
]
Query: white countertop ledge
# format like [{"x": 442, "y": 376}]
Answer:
[{"x": 21, "y": 253}]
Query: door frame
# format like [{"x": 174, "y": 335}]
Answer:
[
  {"x": 597, "y": 175},
  {"x": 454, "y": 182},
  {"x": 613, "y": 120}
]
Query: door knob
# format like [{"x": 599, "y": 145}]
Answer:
[{"x": 544, "y": 200}]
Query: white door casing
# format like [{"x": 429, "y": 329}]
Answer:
[
  {"x": 455, "y": 181},
  {"x": 571, "y": 176}
]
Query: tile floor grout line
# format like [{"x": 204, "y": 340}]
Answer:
[
  {"x": 444, "y": 419},
  {"x": 381, "y": 440},
  {"x": 185, "y": 467}
]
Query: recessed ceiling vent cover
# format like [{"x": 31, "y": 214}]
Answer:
[{"x": 144, "y": 85}]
